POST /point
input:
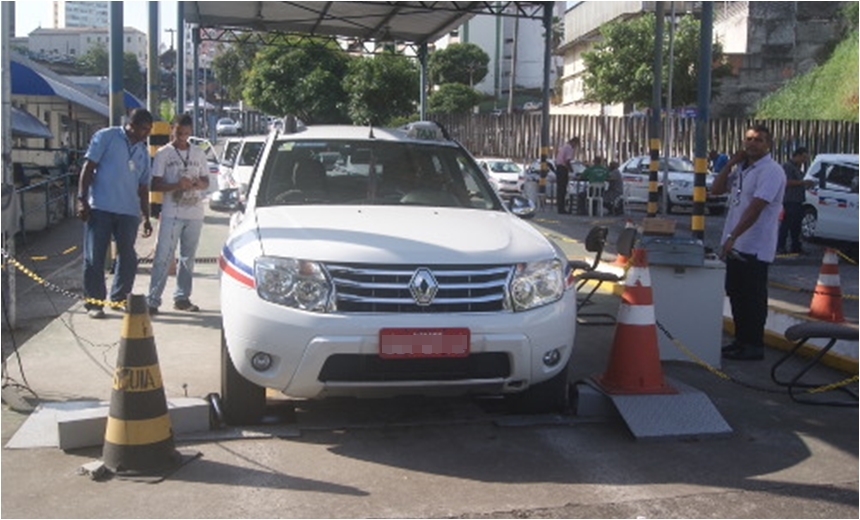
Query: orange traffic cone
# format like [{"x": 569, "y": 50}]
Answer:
[
  {"x": 634, "y": 361},
  {"x": 138, "y": 435},
  {"x": 827, "y": 299}
]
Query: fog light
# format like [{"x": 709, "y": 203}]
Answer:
[
  {"x": 261, "y": 361},
  {"x": 552, "y": 358}
]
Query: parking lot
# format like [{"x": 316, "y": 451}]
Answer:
[{"x": 447, "y": 457}]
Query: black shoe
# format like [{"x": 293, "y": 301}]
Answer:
[
  {"x": 153, "y": 311},
  {"x": 185, "y": 305},
  {"x": 730, "y": 347},
  {"x": 745, "y": 354}
]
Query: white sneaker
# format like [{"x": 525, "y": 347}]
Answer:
[{"x": 96, "y": 314}]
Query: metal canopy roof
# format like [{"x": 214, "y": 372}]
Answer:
[{"x": 410, "y": 22}]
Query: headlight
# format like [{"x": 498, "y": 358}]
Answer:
[
  {"x": 299, "y": 284},
  {"x": 536, "y": 284},
  {"x": 678, "y": 184}
]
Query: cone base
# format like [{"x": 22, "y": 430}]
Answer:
[{"x": 614, "y": 389}]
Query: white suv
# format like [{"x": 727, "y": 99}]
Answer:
[
  {"x": 636, "y": 172},
  {"x": 411, "y": 277},
  {"x": 830, "y": 210}
]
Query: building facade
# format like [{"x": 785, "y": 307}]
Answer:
[
  {"x": 80, "y": 14},
  {"x": 71, "y": 43}
]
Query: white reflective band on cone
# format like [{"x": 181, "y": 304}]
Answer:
[
  {"x": 638, "y": 274},
  {"x": 830, "y": 280},
  {"x": 636, "y": 314}
]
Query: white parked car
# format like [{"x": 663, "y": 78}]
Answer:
[
  {"x": 212, "y": 162},
  {"x": 636, "y": 173},
  {"x": 505, "y": 174},
  {"x": 830, "y": 210},
  {"x": 228, "y": 126},
  {"x": 412, "y": 277},
  {"x": 239, "y": 161}
]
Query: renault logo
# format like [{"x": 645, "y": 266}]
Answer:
[{"x": 423, "y": 286}]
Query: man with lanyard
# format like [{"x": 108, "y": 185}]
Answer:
[
  {"x": 756, "y": 184},
  {"x": 113, "y": 193},
  {"x": 179, "y": 169},
  {"x": 566, "y": 154}
]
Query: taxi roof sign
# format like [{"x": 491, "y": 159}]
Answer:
[{"x": 425, "y": 131}]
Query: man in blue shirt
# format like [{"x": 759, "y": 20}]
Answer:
[{"x": 113, "y": 193}]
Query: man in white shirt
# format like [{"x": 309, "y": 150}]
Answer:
[
  {"x": 180, "y": 171},
  {"x": 756, "y": 185}
]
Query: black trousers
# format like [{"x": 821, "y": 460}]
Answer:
[
  {"x": 746, "y": 287},
  {"x": 792, "y": 219},
  {"x": 562, "y": 176}
]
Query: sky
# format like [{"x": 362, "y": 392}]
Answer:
[{"x": 32, "y": 14}]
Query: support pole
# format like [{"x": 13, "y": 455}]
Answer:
[
  {"x": 180, "y": 58},
  {"x": 153, "y": 75},
  {"x": 117, "y": 104},
  {"x": 697, "y": 224},
  {"x": 654, "y": 127},
  {"x": 422, "y": 102},
  {"x": 547, "y": 55},
  {"x": 9, "y": 197}
]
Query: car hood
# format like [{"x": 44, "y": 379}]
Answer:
[{"x": 392, "y": 235}]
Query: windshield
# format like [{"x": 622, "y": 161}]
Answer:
[
  {"x": 332, "y": 172},
  {"x": 504, "y": 167}
]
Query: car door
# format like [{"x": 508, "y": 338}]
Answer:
[
  {"x": 635, "y": 174},
  {"x": 837, "y": 200}
]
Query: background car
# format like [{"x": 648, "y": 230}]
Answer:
[
  {"x": 228, "y": 126},
  {"x": 212, "y": 162},
  {"x": 830, "y": 210},
  {"x": 636, "y": 172},
  {"x": 506, "y": 175}
]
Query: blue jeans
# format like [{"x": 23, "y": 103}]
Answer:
[
  {"x": 170, "y": 231},
  {"x": 98, "y": 230}
]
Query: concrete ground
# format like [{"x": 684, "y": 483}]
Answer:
[{"x": 412, "y": 458}]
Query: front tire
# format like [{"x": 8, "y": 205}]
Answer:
[
  {"x": 242, "y": 401},
  {"x": 809, "y": 223},
  {"x": 550, "y": 396}
]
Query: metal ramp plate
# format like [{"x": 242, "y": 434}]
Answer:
[{"x": 689, "y": 413}]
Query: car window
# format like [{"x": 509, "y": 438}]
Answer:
[
  {"x": 250, "y": 153},
  {"x": 230, "y": 151},
  {"x": 391, "y": 173},
  {"x": 841, "y": 177}
]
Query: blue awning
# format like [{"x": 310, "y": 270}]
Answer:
[
  {"x": 25, "y": 124},
  {"x": 31, "y": 79}
]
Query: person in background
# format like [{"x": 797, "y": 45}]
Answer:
[
  {"x": 566, "y": 154},
  {"x": 717, "y": 160},
  {"x": 597, "y": 172},
  {"x": 792, "y": 204},
  {"x": 755, "y": 184},
  {"x": 113, "y": 194},
  {"x": 179, "y": 170},
  {"x": 614, "y": 190}
]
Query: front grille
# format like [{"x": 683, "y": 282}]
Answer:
[
  {"x": 369, "y": 368},
  {"x": 385, "y": 289}
]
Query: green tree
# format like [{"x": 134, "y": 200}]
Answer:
[
  {"x": 303, "y": 78},
  {"x": 463, "y": 63},
  {"x": 453, "y": 98},
  {"x": 96, "y": 62},
  {"x": 381, "y": 88},
  {"x": 619, "y": 69},
  {"x": 231, "y": 64}
]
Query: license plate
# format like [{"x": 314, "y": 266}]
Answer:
[{"x": 424, "y": 343}]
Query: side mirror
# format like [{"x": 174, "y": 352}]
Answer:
[
  {"x": 226, "y": 201},
  {"x": 521, "y": 206}
]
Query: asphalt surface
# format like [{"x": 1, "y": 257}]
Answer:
[{"x": 409, "y": 458}]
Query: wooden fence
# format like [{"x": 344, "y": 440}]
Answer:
[{"x": 517, "y": 136}]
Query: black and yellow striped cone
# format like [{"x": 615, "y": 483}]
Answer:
[{"x": 138, "y": 435}]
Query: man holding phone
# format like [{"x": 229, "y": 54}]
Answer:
[{"x": 756, "y": 186}]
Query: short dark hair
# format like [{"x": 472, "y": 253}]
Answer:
[
  {"x": 800, "y": 150},
  {"x": 762, "y": 129},
  {"x": 182, "y": 120},
  {"x": 140, "y": 116}
]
